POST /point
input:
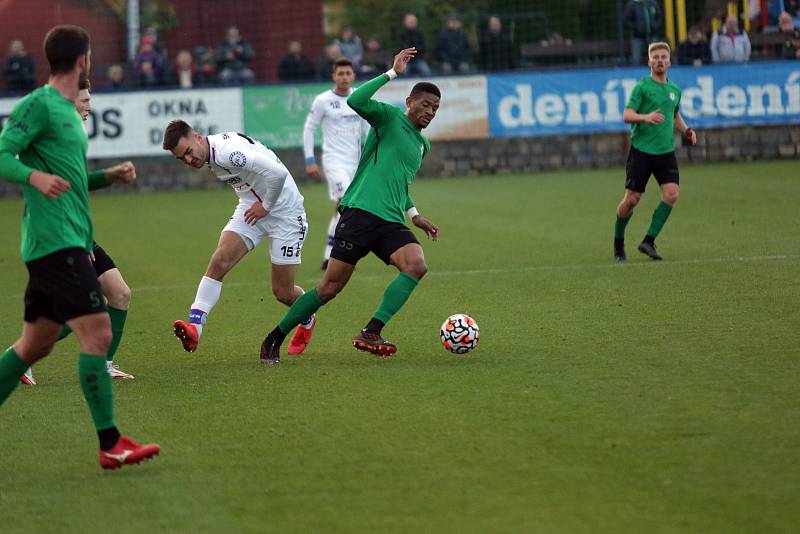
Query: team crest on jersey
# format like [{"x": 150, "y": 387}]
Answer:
[
  {"x": 238, "y": 159},
  {"x": 421, "y": 149},
  {"x": 672, "y": 96}
]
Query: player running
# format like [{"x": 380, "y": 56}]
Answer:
[
  {"x": 653, "y": 111},
  {"x": 270, "y": 206},
  {"x": 373, "y": 211},
  {"x": 115, "y": 290},
  {"x": 342, "y": 131},
  {"x": 46, "y": 133}
]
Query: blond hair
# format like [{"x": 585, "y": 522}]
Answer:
[{"x": 658, "y": 46}]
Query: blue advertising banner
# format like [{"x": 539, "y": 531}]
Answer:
[{"x": 714, "y": 96}]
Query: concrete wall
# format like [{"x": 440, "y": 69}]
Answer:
[{"x": 500, "y": 156}]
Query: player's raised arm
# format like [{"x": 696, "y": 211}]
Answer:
[{"x": 361, "y": 100}]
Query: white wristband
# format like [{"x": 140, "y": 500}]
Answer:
[
  {"x": 412, "y": 212},
  {"x": 391, "y": 74}
]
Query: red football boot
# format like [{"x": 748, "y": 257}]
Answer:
[
  {"x": 301, "y": 338},
  {"x": 187, "y": 333},
  {"x": 125, "y": 452},
  {"x": 374, "y": 343}
]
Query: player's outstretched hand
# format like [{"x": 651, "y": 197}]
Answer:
[
  {"x": 430, "y": 229},
  {"x": 402, "y": 58},
  {"x": 255, "y": 213},
  {"x": 656, "y": 117},
  {"x": 121, "y": 173},
  {"x": 49, "y": 185},
  {"x": 312, "y": 170}
]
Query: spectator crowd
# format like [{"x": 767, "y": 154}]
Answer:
[{"x": 492, "y": 48}]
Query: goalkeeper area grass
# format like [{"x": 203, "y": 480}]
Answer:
[{"x": 648, "y": 396}]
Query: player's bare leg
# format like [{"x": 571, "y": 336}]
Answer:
[
  {"x": 624, "y": 214},
  {"x": 230, "y": 250},
  {"x": 285, "y": 290},
  {"x": 118, "y": 299}
]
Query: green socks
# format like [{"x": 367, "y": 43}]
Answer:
[
  {"x": 660, "y": 216},
  {"x": 96, "y": 384},
  {"x": 395, "y": 295},
  {"x": 619, "y": 226},
  {"x": 300, "y": 310},
  {"x": 11, "y": 368},
  {"x": 117, "y": 326}
]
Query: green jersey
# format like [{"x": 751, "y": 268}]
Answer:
[
  {"x": 391, "y": 157},
  {"x": 647, "y": 96},
  {"x": 47, "y": 134}
]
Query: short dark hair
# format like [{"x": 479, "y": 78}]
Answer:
[
  {"x": 425, "y": 87},
  {"x": 173, "y": 133},
  {"x": 342, "y": 62},
  {"x": 83, "y": 82},
  {"x": 63, "y": 45}
]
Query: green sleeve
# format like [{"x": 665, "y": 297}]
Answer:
[
  {"x": 97, "y": 179},
  {"x": 409, "y": 202},
  {"x": 636, "y": 98},
  {"x": 374, "y": 112},
  {"x": 27, "y": 120}
]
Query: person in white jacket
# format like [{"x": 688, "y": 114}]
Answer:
[{"x": 730, "y": 45}]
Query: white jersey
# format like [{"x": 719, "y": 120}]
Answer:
[
  {"x": 342, "y": 130},
  {"x": 254, "y": 172}
]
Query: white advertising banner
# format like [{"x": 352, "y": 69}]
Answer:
[{"x": 131, "y": 124}]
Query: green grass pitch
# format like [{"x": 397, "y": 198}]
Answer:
[{"x": 653, "y": 397}]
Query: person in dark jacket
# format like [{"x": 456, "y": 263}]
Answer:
[
  {"x": 645, "y": 20},
  {"x": 411, "y": 37},
  {"x": 234, "y": 56},
  {"x": 295, "y": 66},
  {"x": 452, "y": 47},
  {"x": 694, "y": 50},
  {"x": 19, "y": 71},
  {"x": 496, "y": 52}
]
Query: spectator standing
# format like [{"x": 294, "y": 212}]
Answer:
[
  {"x": 496, "y": 51},
  {"x": 694, "y": 50},
  {"x": 730, "y": 45},
  {"x": 452, "y": 47},
  {"x": 19, "y": 70},
  {"x": 376, "y": 60},
  {"x": 148, "y": 64},
  {"x": 116, "y": 79},
  {"x": 645, "y": 20},
  {"x": 233, "y": 56},
  {"x": 295, "y": 66},
  {"x": 411, "y": 37},
  {"x": 183, "y": 73},
  {"x": 350, "y": 47},
  {"x": 326, "y": 60}
]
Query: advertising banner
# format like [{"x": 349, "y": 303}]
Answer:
[
  {"x": 131, "y": 124},
  {"x": 714, "y": 96},
  {"x": 275, "y": 115}
]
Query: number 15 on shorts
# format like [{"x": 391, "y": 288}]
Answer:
[{"x": 290, "y": 251}]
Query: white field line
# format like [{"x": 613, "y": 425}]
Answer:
[{"x": 533, "y": 268}]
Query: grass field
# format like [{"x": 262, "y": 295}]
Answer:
[{"x": 644, "y": 397}]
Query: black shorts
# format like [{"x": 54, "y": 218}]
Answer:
[
  {"x": 61, "y": 286},
  {"x": 360, "y": 232},
  {"x": 102, "y": 261},
  {"x": 641, "y": 165}
]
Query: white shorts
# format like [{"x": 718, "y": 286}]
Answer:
[
  {"x": 286, "y": 233},
  {"x": 339, "y": 177}
]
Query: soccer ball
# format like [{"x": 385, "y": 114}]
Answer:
[{"x": 460, "y": 333}]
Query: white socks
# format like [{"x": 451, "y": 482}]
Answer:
[
  {"x": 208, "y": 293},
  {"x": 331, "y": 231}
]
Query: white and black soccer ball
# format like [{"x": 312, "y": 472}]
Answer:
[{"x": 460, "y": 333}]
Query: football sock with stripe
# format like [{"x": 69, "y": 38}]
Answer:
[
  {"x": 660, "y": 216},
  {"x": 11, "y": 369},
  {"x": 117, "y": 327},
  {"x": 302, "y": 308},
  {"x": 395, "y": 295},
  {"x": 208, "y": 293}
]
